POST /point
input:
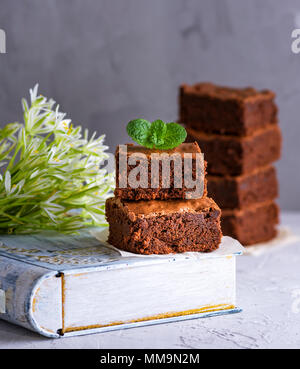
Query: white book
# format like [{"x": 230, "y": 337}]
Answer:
[{"x": 61, "y": 285}]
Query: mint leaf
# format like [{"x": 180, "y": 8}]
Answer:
[
  {"x": 175, "y": 135},
  {"x": 157, "y": 134},
  {"x": 138, "y": 130}
]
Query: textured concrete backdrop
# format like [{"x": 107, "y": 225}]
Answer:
[{"x": 109, "y": 61}]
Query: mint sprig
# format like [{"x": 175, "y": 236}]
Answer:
[{"x": 156, "y": 135}]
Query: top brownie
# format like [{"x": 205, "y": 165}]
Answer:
[
  {"x": 223, "y": 110},
  {"x": 151, "y": 174}
]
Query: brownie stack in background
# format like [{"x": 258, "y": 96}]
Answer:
[
  {"x": 160, "y": 220},
  {"x": 237, "y": 130}
]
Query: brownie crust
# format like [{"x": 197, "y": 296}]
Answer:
[
  {"x": 160, "y": 192},
  {"x": 252, "y": 225},
  {"x": 223, "y": 110},
  {"x": 231, "y": 155},
  {"x": 242, "y": 191},
  {"x": 159, "y": 227}
]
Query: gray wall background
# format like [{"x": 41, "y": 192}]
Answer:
[{"x": 109, "y": 61}]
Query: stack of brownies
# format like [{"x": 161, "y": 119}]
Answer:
[
  {"x": 154, "y": 218},
  {"x": 238, "y": 132}
]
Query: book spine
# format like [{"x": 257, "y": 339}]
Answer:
[{"x": 20, "y": 288}]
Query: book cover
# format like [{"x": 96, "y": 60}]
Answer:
[{"x": 60, "y": 285}]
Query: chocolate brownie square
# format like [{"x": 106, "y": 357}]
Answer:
[
  {"x": 232, "y": 155},
  {"x": 163, "y": 227},
  {"x": 181, "y": 176},
  {"x": 224, "y": 110},
  {"x": 245, "y": 190},
  {"x": 252, "y": 225}
]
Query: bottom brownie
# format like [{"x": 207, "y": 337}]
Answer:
[
  {"x": 163, "y": 227},
  {"x": 252, "y": 225}
]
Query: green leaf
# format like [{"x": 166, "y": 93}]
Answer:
[
  {"x": 49, "y": 177},
  {"x": 138, "y": 130},
  {"x": 175, "y": 135},
  {"x": 157, "y": 134}
]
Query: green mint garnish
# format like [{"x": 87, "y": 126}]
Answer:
[{"x": 158, "y": 135}]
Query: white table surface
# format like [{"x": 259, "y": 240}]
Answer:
[{"x": 268, "y": 292}]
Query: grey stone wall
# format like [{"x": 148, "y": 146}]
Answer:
[{"x": 109, "y": 61}]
